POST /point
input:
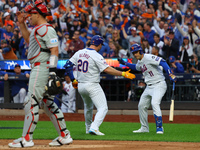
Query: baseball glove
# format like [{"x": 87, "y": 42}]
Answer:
[
  {"x": 54, "y": 85},
  {"x": 128, "y": 75}
]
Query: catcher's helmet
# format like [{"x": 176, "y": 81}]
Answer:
[
  {"x": 96, "y": 40},
  {"x": 37, "y": 7},
  {"x": 135, "y": 48}
]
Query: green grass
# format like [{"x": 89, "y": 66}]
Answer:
[{"x": 112, "y": 130}]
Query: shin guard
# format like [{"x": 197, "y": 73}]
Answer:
[
  {"x": 158, "y": 120},
  {"x": 31, "y": 108},
  {"x": 56, "y": 116}
]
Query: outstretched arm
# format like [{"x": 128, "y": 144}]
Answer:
[{"x": 131, "y": 66}]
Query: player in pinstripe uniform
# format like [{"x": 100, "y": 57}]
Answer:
[
  {"x": 43, "y": 56},
  {"x": 156, "y": 86},
  {"x": 89, "y": 65}
]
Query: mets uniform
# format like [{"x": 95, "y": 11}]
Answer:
[
  {"x": 89, "y": 65},
  {"x": 69, "y": 99},
  {"x": 155, "y": 90}
]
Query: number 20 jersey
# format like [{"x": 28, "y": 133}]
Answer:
[
  {"x": 89, "y": 64},
  {"x": 149, "y": 65}
]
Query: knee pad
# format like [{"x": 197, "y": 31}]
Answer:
[
  {"x": 56, "y": 116},
  {"x": 31, "y": 108}
]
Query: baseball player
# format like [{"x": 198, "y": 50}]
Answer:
[
  {"x": 156, "y": 86},
  {"x": 69, "y": 98},
  {"x": 43, "y": 56},
  {"x": 89, "y": 65}
]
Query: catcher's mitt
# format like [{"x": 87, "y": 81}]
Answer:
[{"x": 54, "y": 85}]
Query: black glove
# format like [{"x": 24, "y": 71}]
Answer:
[
  {"x": 121, "y": 61},
  {"x": 54, "y": 85}
]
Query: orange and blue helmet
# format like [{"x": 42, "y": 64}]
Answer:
[
  {"x": 96, "y": 40},
  {"x": 135, "y": 48}
]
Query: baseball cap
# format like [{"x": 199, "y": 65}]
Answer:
[
  {"x": 171, "y": 32},
  {"x": 3, "y": 41},
  {"x": 124, "y": 15},
  {"x": 12, "y": 1},
  {"x": 133, "y": 29},
  {"x": 17, "y": 65},
  {"x": 172, "y": 59},
  {"x": 6, "y": 6},
  {"x": 6, "y": 14},
  {"x": 107, "y": 17},
  {"x": 172, "y": 21},
  {"x": 109, "y": 25},
  {"x": 83, "y": 30},
  {"x": 96, "y": 40},
  {"x": 186, "y": 37},
  {"x": 75, "y": 19},
  {"x": 66, "y": 33}
]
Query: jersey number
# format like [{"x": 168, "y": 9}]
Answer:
[
  {"x": 82, "y": 66},
  {"x": 151, "y": 73}
]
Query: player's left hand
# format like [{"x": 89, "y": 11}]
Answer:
[
  {"x": 75, "y": 84},
  {"x": 128, "y": 75},
  {"x": 172, "y": 77}
]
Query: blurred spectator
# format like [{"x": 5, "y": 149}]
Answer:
[
  {"x": 18, "y": 87},
  {"x": 146, "y": 47},
  {"x": 155, "y": 51},
  {"x": 105, "y": 49},
  {"x": 83, "y": 38},
  {"x": 7, "y": 51},
  {"x": 116, "y": 51},
  {"x": 75, "y": 26},
  {"x": 15, "y": 41},
  {"x": 186, "y": 52},
  {"x": 75, "y": 45},
  {"x": 108, "y": 33},
  {"x": 23, "y": 49},
  {"x": 7, "y": 20},
  {"x": 69, "y": 97},
  {"x": 6, "y": 33},
  {"x": 148, "y": 33},
  {"x": 159, "y": 44},
  {"x": 131, "y": 93},
  {"x": 94, "y": 23},
  {"x": 175, "y": 66},
  {"x": 171, "y": 45},
  {"x": 116, "y": 37},
  {"x": 139, "y": 90},
  {"x": 63, "y": 46},
  {"x": 194, "y": 66}
]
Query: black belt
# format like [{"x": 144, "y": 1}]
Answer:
[
  {"x": 45, "y": 50},
  {"x": 153, "y": 84}
]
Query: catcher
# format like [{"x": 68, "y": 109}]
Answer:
[{"x": 43, "y": 83}]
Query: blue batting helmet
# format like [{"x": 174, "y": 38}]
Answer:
[
  {"x": 96, "y": 40},
  {"x": 135, "y": 48}
]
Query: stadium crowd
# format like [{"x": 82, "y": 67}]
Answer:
[{"x": 167, "y": 28}]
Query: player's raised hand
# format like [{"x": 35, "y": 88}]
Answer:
[
  {"x": 121, "y": 61},
  {"x": 128, "y": 75},
  {"x": 172, "y": 77}
]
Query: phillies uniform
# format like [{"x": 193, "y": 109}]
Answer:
[
  {"x": 155, "y": 90},
  {"x": 89, "y": 65},
  {"x": 42, "y": 38},
  {"x": 69, "y": 98}
]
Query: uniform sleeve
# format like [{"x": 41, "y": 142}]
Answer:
[
  {"x": 51, "y": 38},
  {"x": 101, "y": 63},
  {"x": 73, "y": 58}
]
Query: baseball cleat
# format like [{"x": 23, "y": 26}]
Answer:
[
  {"x": 61, "y": 141},
  {"x": 95, "y": 132},
  {"x": 141, "y": 130},
  {"x": 159, "y": 130},
  {"x": 21, "y": 142}
]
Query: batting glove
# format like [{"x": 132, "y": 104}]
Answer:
[
  {"x": 172, "y": 77},
  {"x": 128, "y": 75},
  {"x": 75, "y": 84},
  {"x": 121, "y": 61}
]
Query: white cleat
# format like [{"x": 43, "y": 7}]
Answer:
[
  {"x": 21, "y": 142},
  {"x": 95, "y": 132},
  {"x": 61, "y": 141},
  {"x": 141, "y": 130}
]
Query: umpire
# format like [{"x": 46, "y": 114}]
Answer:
[{"x": 43, "y": 56}]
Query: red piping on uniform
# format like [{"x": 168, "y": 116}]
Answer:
[
  {"x": 27, "y": 137},
  {"x": 34, "y": 56}
]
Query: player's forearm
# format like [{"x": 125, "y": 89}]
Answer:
[
  {"x": 112, "y": 71},
  {"x": 131, "y": 66},
  {"x": 24, "y": 31},
  {"x": 165, "y": 67},
  {"x": 53, "y": 59}
]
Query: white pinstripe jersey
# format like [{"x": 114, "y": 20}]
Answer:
[
  {"x": 89, "y": 65},
  {"x": 149, "y": 65}
]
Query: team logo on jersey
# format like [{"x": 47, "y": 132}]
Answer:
[{"x": 54, "y": 40}]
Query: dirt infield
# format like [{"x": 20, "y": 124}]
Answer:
[{"x": 111, "y": 145}]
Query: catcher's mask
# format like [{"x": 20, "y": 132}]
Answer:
[{"x": 37, "y": 7}]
